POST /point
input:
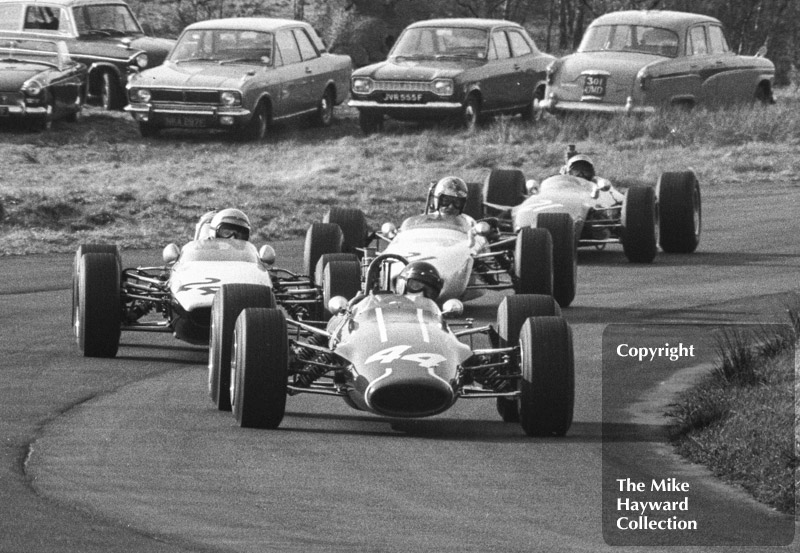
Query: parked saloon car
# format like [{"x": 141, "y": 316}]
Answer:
[
  {"x": 241, "y": 74},
  {"x": 439, "y": 68},
  {"x": 39, "y": 82},
  {"x": 102, "y": 34},
  {"x": 635, "y": 61}
]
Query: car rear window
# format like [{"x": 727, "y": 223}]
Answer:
[{"x": 630, "y": 38}]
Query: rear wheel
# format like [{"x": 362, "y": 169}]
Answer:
[
  {"x": 353, "y": 224},
  {"x": 565, "y": 254},
  {"x": 505, "y": 187},
  {"x": 111, "y": 93},
  {"x": 340, "y": 278},
  {"x": 533, "y": 262},
  {"x": 99, "y": 309},
  {"x": 324, "y": 114},
  {"x": 547, "y": 388},
  {"x": 228, "y": 302},
  {"x": 471, "y": 115},
  {"x": 474, "y": 205},
  {"x": 532, "y": 111},
  {"x": 679, "y": 212},
  {"x": 321, "y": 238},
  {"x": 639, "y": 224},
  {"x": 259, "y": 368}
]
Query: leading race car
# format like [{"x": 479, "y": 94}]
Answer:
[
  {"x": 395, "y": 355},
  {"x": 639, "y": 219},
  {"x": 472, "y": 257}
]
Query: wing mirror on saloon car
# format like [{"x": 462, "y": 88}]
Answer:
[
  {"x": 267, "y": 254},
  {"x": 532, "y": 185},
  {"x": 170, "y": 253}
]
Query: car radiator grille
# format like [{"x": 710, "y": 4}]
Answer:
[
  {"x": 185, "y": 96},
  {"x": 403, "y": 86},
  {"x": 10, "y": 98}
]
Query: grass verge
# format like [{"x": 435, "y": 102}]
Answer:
[{"x": 740, "y": 420}]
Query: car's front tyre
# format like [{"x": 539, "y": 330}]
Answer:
[{"x": 256, "y": 128}]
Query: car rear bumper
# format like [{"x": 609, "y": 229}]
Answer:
[{"x": 552, "y": 104}]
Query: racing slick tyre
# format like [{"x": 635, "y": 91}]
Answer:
[
  {"x": 326, "y": 258},
  {"x": 354, "y": 227},
  {"x": 474, "y": 205},
  {"x": 565, "y": 255},
  {"x": 547, "y": 388},
  {"x": 340, "y": 278},
  {"x": 533, "y": 262},
  {"x": 679, "y": 212},
  {"x": 321, "y": 238},
  {"x": 259, "y": 368},
  {"x": 505, "y": 187},
  {"x": 99, "y": 311},
  {"x": 512, "y": 313},
  {"x": 370, "y": 121},
  {"x": 84, "y": 249},
  {"x": 639, "y": 224},
  {"x": 228, "y": 302}
]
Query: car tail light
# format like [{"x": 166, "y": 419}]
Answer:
[
  {"x": 552, "y": 69},
  {"x": 643, "y": 78}
]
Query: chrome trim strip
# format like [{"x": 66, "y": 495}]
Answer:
[{"x": 429, "y": 105}]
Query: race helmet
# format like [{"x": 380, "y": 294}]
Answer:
[
  {"x": 231, "y": 223},
  {"x": 450, "y": 191},
  {"x": 581, "y": 166},
  {"x": 420, "y": 276}
]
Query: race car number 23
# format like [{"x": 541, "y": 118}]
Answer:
[{"x": 395, "y": 353}]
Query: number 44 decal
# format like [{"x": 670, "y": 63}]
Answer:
[{"x": 394, "y": 353}]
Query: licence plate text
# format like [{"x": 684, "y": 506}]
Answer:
[
  {"x": 594, "y": 86},
  {"x": 409, "y": 97}
]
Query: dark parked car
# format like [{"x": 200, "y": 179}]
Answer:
[
  {"x": 39, "y": 82},
  {"x": 467, "y": 68},
  {"x": 102, "y": 34},
  {"x": 636, "y": 61},
  {"x": 240, "y": 74}
]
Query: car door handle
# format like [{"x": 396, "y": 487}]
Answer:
[
  {"x": 517, "y": 67},
  {"x": 308, "y": 70}
]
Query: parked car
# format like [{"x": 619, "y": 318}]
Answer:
[
  {"x": 637, "y": 61},
  {"x": 468, "y": 68},
  {"x": 39, "y": 81},
  {"x": 241, "y": 74},
  {"x": 397, "y": 356},
  {"x": 102, "y": 34}
]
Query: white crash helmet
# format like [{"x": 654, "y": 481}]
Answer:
[
  {"x": 450, "y": 190},
  {"x": 231, "y": 223},
  {"x": 580, "y": 166}
]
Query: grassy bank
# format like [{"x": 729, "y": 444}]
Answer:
[
  {"x": 740, "y": 420},
  {"x": 97, "y": 180}
]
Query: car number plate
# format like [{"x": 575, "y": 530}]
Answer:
[
  {"x": 594, "y": 86},
  {"x": 190, "y": 121},
  {"x": 403, "y": 97}
]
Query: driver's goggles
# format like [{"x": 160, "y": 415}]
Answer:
[
  {"x": 455, "y": 201},
  {"x": 414, "y": 285},
  {"x": 230, "y": 233}
]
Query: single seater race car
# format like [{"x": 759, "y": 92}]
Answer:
[
  {"x": 471, "y": 258},
  {"x": 397, "y": 356},
  {"x": 639, "y": 219}
]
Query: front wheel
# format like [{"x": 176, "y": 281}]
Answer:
[
  {"x": 472, "y": 113},
  {"x": 259, "y": 368},
  {"x": 547, "y": 388},
  {"x": 229, "y": 301},
  {"x": 565, "y": 254},
  {"x": 256, "y": 128},
  {"x": 639, "y": 224},
  {"x": 98, "y": 311},
  {"x": 533, "y": 262}
]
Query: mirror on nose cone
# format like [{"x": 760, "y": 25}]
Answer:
[
  {"x": 452, "y": 308},
  {"x": 170, "y": 253},
  {"x": 267, "y": 254},
  {"x": 532, "y": 185},
  {"x": 389, "y": 230},
  {"x": 337, "y": 305}
]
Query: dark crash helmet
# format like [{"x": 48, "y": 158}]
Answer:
[
  {"x": 450, "y": 191},
  {"x": 581, "y": 166},
  {"x": 231, "y": 223},
  {"x": 420, "y": 276}
]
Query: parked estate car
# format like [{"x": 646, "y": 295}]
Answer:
[
  {"x": 636, "y": 61},
  {"x": 241, "y": 74},
  {"x": 396, "y": 356},
  {"x": 102, "y": 34},
  {"x": 39, "y": 81},
  {"x": 467, "y": 68},
  {"x": 640, "y": 218}
]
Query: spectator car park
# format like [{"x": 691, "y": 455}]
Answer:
[
  {"x": 39, "y": 82},
  {"x": 445, "y": 68},
  {"x": 104, "y": 35},
  {"x": 637, "y": 61},
  {"x": 240, "y": 74}
]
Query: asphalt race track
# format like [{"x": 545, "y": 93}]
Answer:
[{"x": 130, "y": 455}]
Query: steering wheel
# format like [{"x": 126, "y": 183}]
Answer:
[{"x": 374, "y": 270}]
